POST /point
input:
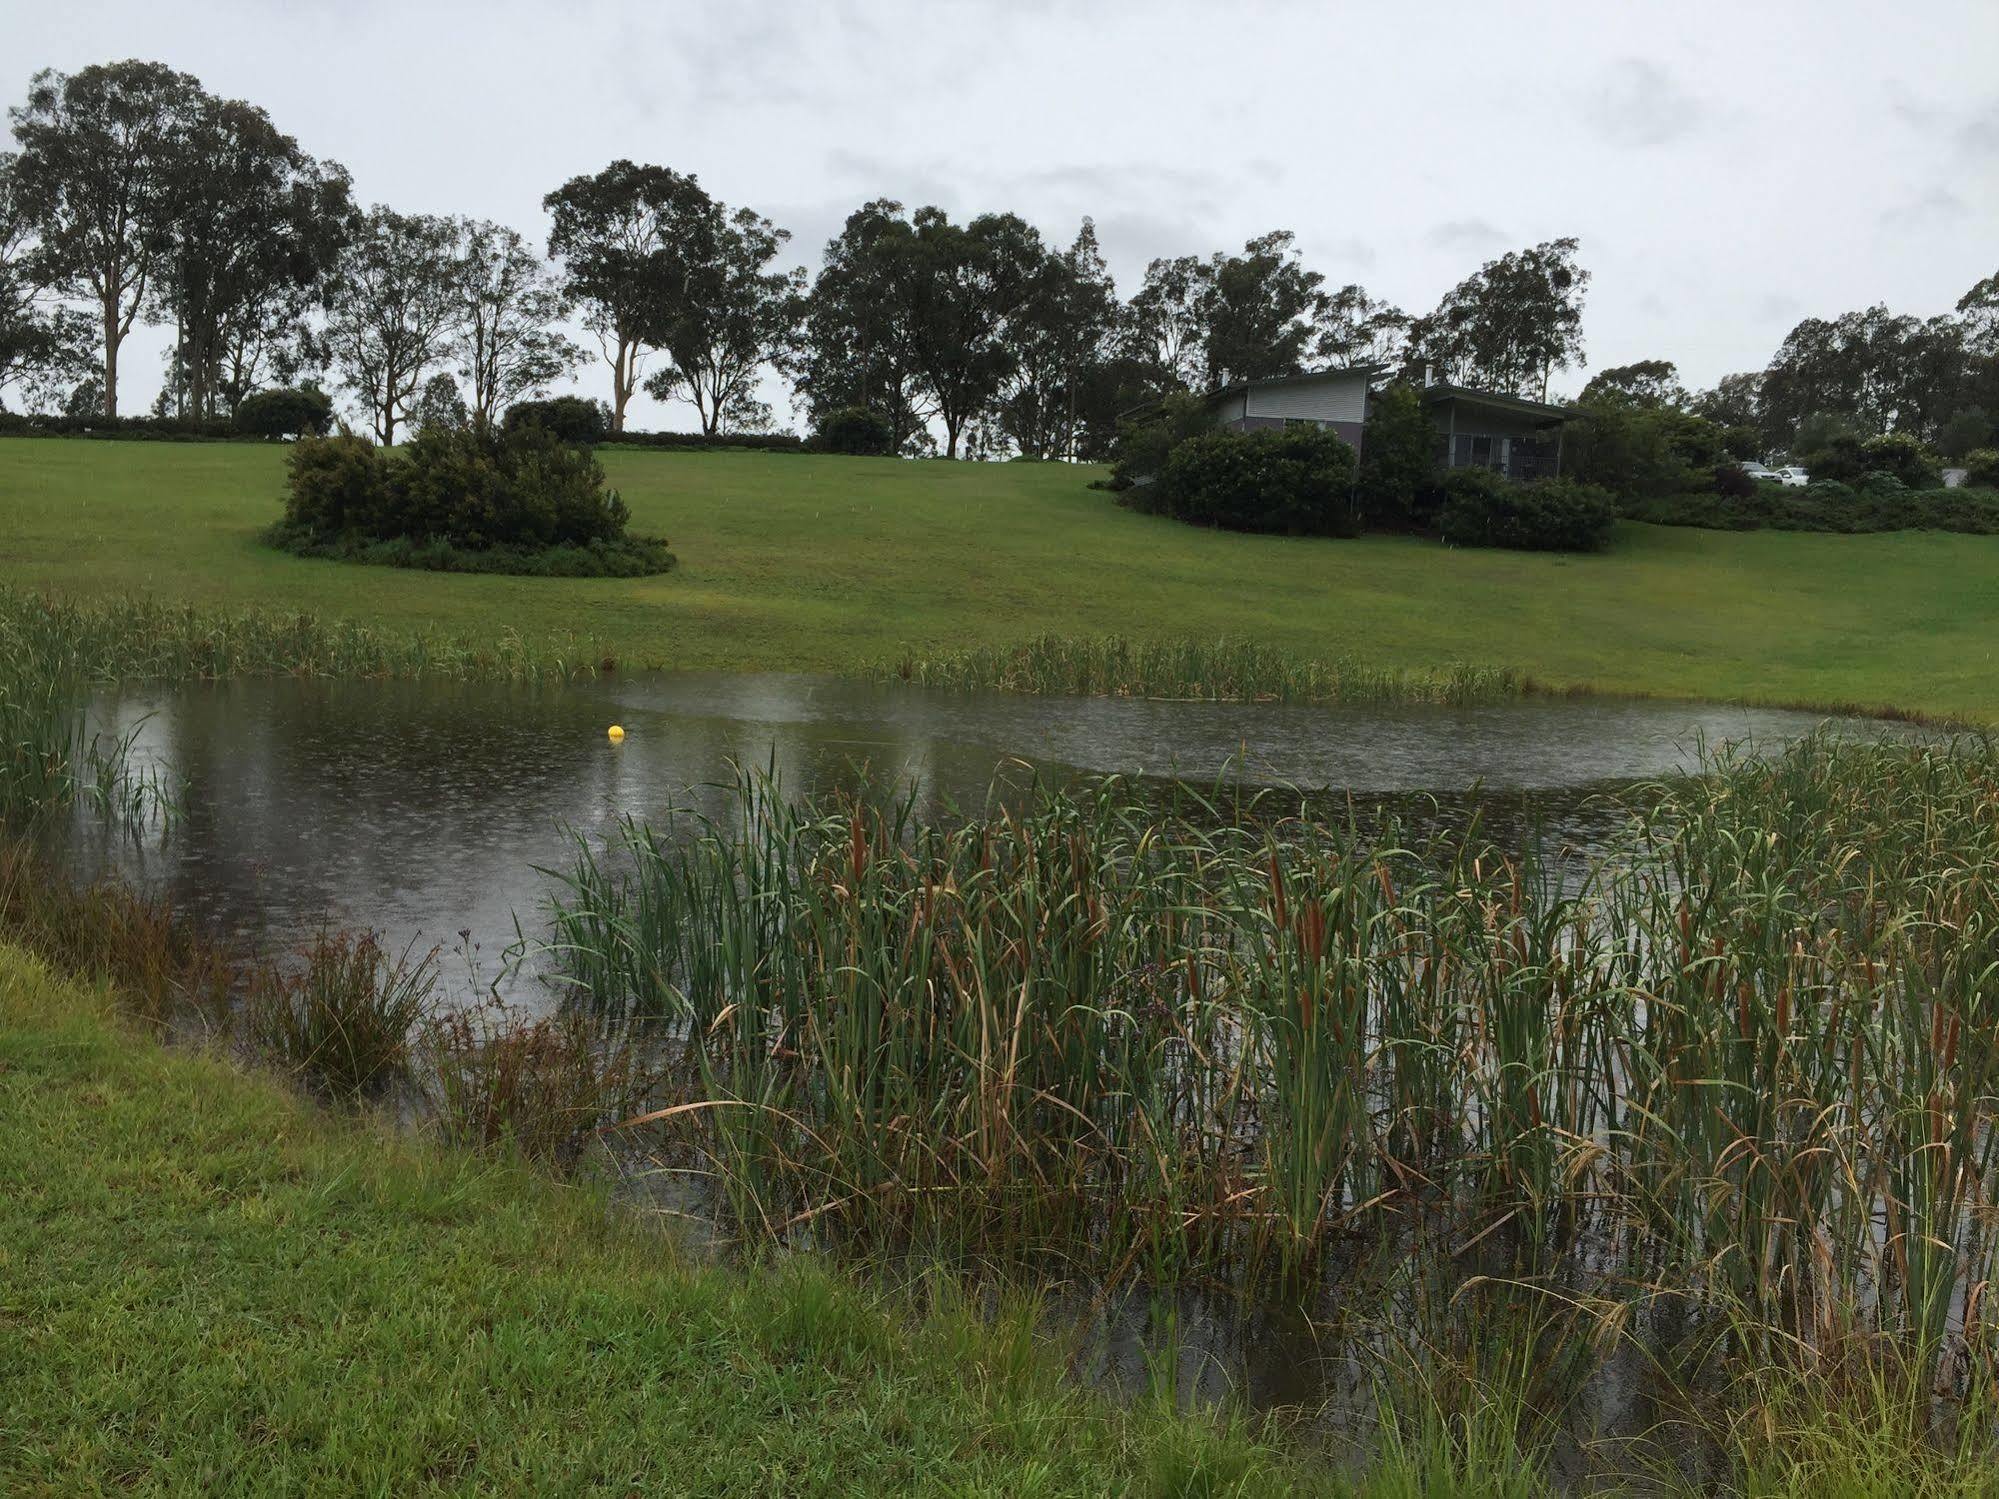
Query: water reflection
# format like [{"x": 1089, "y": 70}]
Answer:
[{"x": 424, "y": 809}]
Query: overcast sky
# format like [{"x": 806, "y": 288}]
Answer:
[{"x": 1729, "y": 167}]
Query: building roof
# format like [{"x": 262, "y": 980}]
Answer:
[
  {"x": 1235, "y": 387},
  {"x": 1524, "y": 407}
]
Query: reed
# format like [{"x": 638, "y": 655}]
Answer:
[
  {"x": 1222, "y": 670},
  {"x": 537, "y": 1085},
  {"x": 341, "y": 1015},
  {"x": 106, "y": 640},
  {"x": 1746, "y": 1060}
]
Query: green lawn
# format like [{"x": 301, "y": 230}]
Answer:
[
  {"x": 209, "y": 1286},
  {"x": 821, "y": 562}
]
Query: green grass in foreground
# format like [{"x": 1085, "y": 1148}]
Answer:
[
  {"x": 209, "y": 1286},
  {"x": 812, "y": 562}
]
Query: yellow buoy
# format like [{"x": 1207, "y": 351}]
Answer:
[{"x": 617, "y": 734}]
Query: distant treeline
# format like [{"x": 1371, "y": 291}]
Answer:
[{"x": 135, "y": 196}]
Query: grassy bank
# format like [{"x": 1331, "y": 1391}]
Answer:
[
  {"x": 800, "y": 561},
  {"x": 207, "y": 1285}
]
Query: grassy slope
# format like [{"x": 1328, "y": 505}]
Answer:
[
  {"x": 208, "y": 1286},
  {"x": 810, "y": 562}
]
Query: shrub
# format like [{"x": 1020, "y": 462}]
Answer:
[
  {"x": 1296, "y": 481},
  {"x": 457, "y": 500},
  {"x": 1145, "y": 442},
  {"x": 292, "y": 411},
  {"x": 1732, "y": 481},
  {"x": 1553, "y": 515},
  {"x": 1849, "y": 459},
  {"x": 1880, "y": 485},
  {"x": 1398, "y": 460},
  {"x": 1981, "y": 468},
  {"x": 570, "y": 418},
  {"x": 1828, "y": 505},
  {"x": 1965, "y": 433},
  {"x": 1830, "y": 492},
  {"x": 340, "y": 486},
  {"x": 762, "y": 442},
  {"x": 859, "y": 430}
]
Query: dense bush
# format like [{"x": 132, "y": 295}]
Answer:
[
  {"x": 570, "y": 418},
  {"x": 859, "y": 430},
  {"x": 1636, "y": 450},
  {"x": 1144, "y": 442},
  {"x": 1398, "y": 484},
  {"x": 1296, "y": 481},
  {"x": 122, "y": 428},
  {"x": 1964, "y": 434},
  {"x": 302, "y": 411},
  {"x": 1552, "y": 515},
  {"x": 507, "y": 498},
  {"x": 1981, "y": 467},
  {"x": 1828, "y": 505},
  {"x": 1850, "y": 459},
  {"x": 766, "y": 442},
  {"x": 1732, "y": 481}
]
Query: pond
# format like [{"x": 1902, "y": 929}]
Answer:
[{"x": 422, "y": 810}]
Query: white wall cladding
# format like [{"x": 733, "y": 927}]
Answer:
[{"x": 1335, "y": 398}]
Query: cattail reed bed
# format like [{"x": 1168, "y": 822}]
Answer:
[
  {"x": 1232, "y": 671},
  {"x": 108, "y": 640},
  {"x": 1748, "y": 1060}
]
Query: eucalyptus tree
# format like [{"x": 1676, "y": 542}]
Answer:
[
  {"x": 736, "y": 315},
  {"x": 102, "y": 151},
  {"x": 509, "y": 303},
  {"x": 254, "y": 230},
  {"x": 1063, "y": 338},
  {"x": 1511, "y": 324},
  {"x": 396, "y": 312},
  {"x": 1166, "y": 324},
  {"x": 43, "y": 344},
  {"x": 623, "y": 236},
  {"x": 1262, "y": 313},
  {"x": 857, "y": 349},
  {"x": 966, "y": 285},
  {"x": 1349, "y": 327}
]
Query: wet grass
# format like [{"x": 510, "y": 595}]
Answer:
[
  {"x": 1230, "y": 671},
  {"x": 1743, "y": 1068},
  {"x": 213, "y": 1287},
  {"x": 813, "y": 562}
]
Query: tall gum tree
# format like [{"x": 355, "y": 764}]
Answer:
[
  {"x": 623, "y": 237},
  {"x": 101, "y": 152}
]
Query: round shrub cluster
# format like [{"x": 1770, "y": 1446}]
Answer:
[
  {"x": 1297, "y": 482},
  {"x": 859, "y": 430},
  {"x": 570, "y": 418},
  {"x": 462, "y": 500},
  {"x": 1552, "y": 515}
]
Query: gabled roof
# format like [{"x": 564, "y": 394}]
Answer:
[
  {"x": 1436, "y": 393},
  {"x": 1367, "y": 370}
]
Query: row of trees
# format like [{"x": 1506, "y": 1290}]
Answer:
[
  {"x": 1863, "y": 374},
  {"x": 136, "y": 196}
]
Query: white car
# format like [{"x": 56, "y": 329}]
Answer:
[
  {"x": 1756, "y": 470},
  {"x": 1792, "y": 476}
]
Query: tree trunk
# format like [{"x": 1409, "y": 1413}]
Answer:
[
  {"x": 111, "y": 337},
  {"x": 950, "y": 438},
  {"x": 621, "y": 383}
]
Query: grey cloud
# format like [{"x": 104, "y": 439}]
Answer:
[
  {"x": 1465, "y": 234},
  {"x": 1937, "y": 205},
  {"x": 1980, "y": 134},
  {"x": 1642, "y": 105}
]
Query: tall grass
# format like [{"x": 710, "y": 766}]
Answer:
[
  {"x": 1216, "y": 671},
  {"x": 343, "y": 1015},
  {"x": 143, "y": 639},
  {"x": 1746, "y": 1063}
]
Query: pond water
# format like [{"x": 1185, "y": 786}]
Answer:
[{"x": 421, "y": 810}]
